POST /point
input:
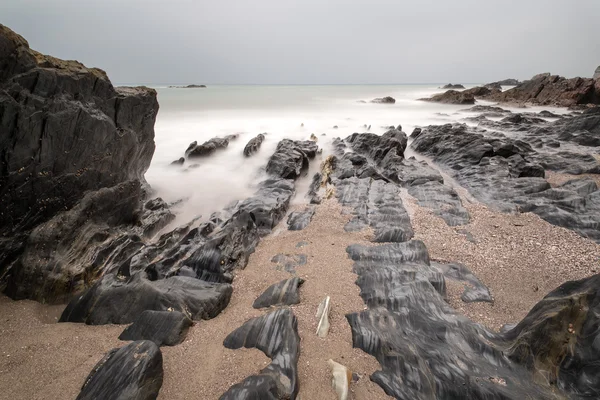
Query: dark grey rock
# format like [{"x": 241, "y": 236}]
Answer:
[
  {"x": 131, "y": 372},
  {"x": 453, "y": 86},
  {"x": 276, "y": 335},
  {"x": 299, "y": 220},
  {"x": 254, "y": 145},
  {"x": 167, "y": 328},
  {"x": 180, "y": 161},
  {"x": 284, "y": 293}
]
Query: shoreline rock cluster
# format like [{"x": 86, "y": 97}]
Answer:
[{"x": 79, "y": 225}]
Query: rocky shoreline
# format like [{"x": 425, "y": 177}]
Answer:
[{"x": 447, "y": 304}]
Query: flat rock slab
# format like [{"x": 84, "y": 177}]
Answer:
[
  {"x": 132, "y": 372},
  {"x": 289, "y": 262},
  {"x": 167, "y": 328},
  {"x": 299, "y": 220},
  {"x": 276, "y": 335},
  {"x": 283, "y": 293}
]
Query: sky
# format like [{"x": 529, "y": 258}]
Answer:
[{"x": 314, "y": 41}]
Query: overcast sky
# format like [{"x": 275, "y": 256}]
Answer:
[{"x": 314, "y": 41}]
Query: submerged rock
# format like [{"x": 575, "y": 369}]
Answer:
[
  {"x": 284, "y": 293},
  {"x": 167, "y": 328},
  {"x": 132, "y": 372},
  {"x": 276, "y": 335},
  {"x": 384, "y": 100},
  {"x": 207, "y": 148},
  {"x": 289, "y": 262}
]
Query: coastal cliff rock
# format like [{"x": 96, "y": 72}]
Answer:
[
  {"x": 547, "y": 89},
  {"x": 596, "y": 73},
  {"x": 67, "y": 136}
]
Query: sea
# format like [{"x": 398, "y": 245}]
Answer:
[{"x": 295, "y": 112}]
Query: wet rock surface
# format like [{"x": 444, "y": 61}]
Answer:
[
  {"x": 284, "y": 293},
  {"x": 276, "y": 335},
  {"x": 132, "y": 372},
  {"x": 167, "y": 328},
  {"x": 406, "y": 307},
  {"x": 207, "y": 148}
]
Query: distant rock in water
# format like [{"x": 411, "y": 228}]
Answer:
[
  {"x": 384, "y": 100},
  {"x": 553, "y": 90},
  {"x": 188, "y": 87},
  {"x": 453, "y": 86},
  {"x": 180, "y": 161},
  {"x": 597, "y": 73},
  {"x": 505, "y": 82},
  {"x": 254, "y": 145}
]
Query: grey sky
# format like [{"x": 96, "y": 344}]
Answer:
[{"x": 314, "y": 41}]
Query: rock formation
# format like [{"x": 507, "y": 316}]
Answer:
[
  {"x": 254, "y": 145},
  {"x": 554, "y": 90},
  {"x": 167, "y": 328},
  {"x": 74, "y": 151},
  {"x": 284, "y": 293},
  {"x": 596, "y": 73}
]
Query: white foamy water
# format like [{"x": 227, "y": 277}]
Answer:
[{"x": 188, "y": 115}]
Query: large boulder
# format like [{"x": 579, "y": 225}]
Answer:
[
  {"x": 453, "y": 86},
  {"x": 66, "y": 133},
  {"x": 452, "y": 97},
  {"x": 384, "y": 100}
]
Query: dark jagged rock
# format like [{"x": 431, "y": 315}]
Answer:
[
  {"x": 66, "y": 134},
  {"x": 384, "y": 100},
  {"x": 291, "y": 158},
  {"x": 253, "y": 145},
  {"x": 474, "y": 289},
  {"x": 583, "y": 129},
  {"x": 284, "y": 293},
  {"x": 132, "y": 372},
  {"x": 505, "y": 82},
  {"x": 443, "y": 200},
  {"x": 415, "y": 133},
  {"x": 452, "y": 86},
  {"x": 546, "y": 89},
  {"x": 180, "y": 161},
  {"x": 498, "y": 171},
  {"x": 427, "y": 350},
  {"x": 167, "y": 328},
  {"x": 192, "y": 86},
  {"x": 276, "y": 335},
  {"x": 299, "y": 220},
  {"x": 289, "y": 262},
  {"x": 207, "y": 148}
]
